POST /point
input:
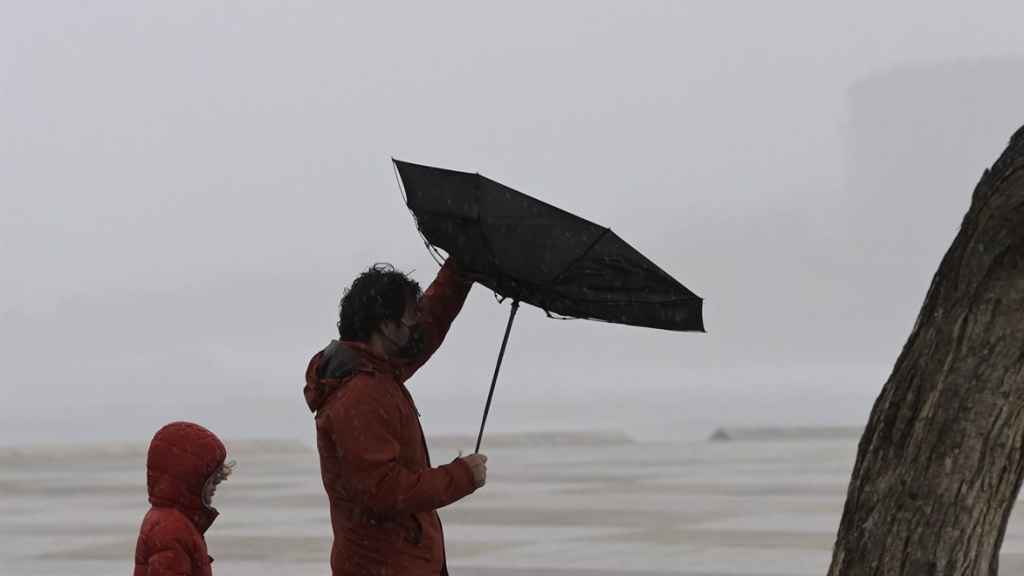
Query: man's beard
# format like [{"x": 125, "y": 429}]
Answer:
[{"x": 413, "y": 345}]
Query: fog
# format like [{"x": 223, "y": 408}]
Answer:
[{"x": 188, "y": 188}]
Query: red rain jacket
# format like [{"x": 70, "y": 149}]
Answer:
[
  {"x": 382, "y": 489},
  {"x": 182, "y": 457}
]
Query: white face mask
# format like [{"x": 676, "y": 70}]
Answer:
[{"x": 210, "y": 488}]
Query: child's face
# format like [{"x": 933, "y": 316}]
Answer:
[{"x": 216, "y": 478}]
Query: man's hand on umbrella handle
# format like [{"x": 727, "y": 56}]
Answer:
[{"x": 478, "y": 464}]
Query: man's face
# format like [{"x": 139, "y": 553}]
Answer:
[
  {"x": 410, "y": 317},
  {"x": 403, "y": 333}
]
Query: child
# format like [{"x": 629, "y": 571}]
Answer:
[{"x": 184, "y": 465}]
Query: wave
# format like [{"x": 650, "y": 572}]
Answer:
[
  {"x": 770, "y": 434},
  {"x": 128, "y": 450},
  {"x": 531, "y": 439}
]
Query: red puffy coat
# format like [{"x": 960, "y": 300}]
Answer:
[
  {"x": 382, "y": 489},
  {"x": 182, "y": 457}
]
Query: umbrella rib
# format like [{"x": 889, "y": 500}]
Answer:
[
  {"x": 580, "y": 257},
  {"x": 487, "y": 242},
  {"x": 398, "y": 178}
]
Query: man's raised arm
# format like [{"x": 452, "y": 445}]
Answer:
[{"x": 438, "y": 307}]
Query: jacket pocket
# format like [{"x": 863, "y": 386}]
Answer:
[{"x": 413, "y": 539}]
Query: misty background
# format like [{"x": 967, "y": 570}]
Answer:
[{"x": 188, "y": 188}]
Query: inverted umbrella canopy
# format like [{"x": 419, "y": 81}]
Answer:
[{"x": 533, "y": 252}]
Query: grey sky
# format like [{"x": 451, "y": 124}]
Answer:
[{"x": 188, "y": 188}]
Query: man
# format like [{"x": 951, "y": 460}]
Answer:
[{"x": 382, "y": 489}]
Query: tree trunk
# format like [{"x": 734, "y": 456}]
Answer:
[{"x": 941, "y": 460}]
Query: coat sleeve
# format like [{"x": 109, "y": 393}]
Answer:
[
  {"x": 438, "y": 307},
  {"x": 171, "y": 560},
  {"x": 365, "y": 432}
]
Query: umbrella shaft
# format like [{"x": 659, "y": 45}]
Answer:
[{"x": 494, "y": 379}]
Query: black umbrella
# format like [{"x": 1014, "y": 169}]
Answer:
[{"x": 530, "y": 251}]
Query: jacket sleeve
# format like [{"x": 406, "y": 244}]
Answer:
[
  {"x": 366, "y": 435},
  {"x": 171, "y": 560},
  {"x": 438, "y": 307}
]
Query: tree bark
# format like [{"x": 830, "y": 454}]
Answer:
[{"x": 942, "y": 458}]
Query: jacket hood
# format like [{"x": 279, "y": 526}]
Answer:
[
  {"x": 181, "y": 458},
  {"x": 330, "y": 368}
]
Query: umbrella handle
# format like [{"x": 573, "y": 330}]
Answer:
[{"x": 494, "y": 379}]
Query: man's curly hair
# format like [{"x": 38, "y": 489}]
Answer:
[{"x": 377, "y": 295}]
